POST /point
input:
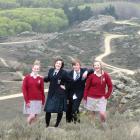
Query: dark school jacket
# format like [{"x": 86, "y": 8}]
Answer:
[{"x": 56, "y": 99}]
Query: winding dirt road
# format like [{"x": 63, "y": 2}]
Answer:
[{"x": 107, "y": 51}]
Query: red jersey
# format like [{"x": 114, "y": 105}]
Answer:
[
  {"x": 33, "y": 88},
  {"x": 96, "y": 86}
]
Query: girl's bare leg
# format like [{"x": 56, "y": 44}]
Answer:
[
  {"x": 30, "y": 118},
  {"x": 102, "y": 116}
]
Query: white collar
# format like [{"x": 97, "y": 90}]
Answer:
[
  {"x": 99, "y": 74},
  {"x": 55, "y": 70},
  {"x": 77, "y": 71},
  {"x": 34, "y": 76}
]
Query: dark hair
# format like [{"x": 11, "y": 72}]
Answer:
[
  {"x": 59, "y": 59},
  {"x": 75, "y": 61}
]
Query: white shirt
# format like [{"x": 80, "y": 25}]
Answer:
[
  {"x": 75, "y": 74},
  {"x": 33, "y": 75},
  {"x": 55, "y": 71},
  {"x": 98, "y": 74}
]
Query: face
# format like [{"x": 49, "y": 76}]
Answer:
[
  {"x": 97, "y": 66},
  {"x": 36, "y": 69},
  {"x": 76, "y": 67},
  {"x": 58, "y": 65}
]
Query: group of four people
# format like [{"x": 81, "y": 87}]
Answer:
[{"x": 66, "y": 90}]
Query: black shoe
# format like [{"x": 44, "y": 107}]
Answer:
[
  {"x": 56, "y": 125},
  {"x": 78, "y": 121},
  {"x": 47, "y": 125},
  {"x": 68, "y": 120}
]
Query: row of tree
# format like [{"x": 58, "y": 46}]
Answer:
[
  {"x": 76, "y": 15},
  {"x": 37, "y": 20},
  {"x": 44, "y": 19},
  {"x": 50, "y": 3}
]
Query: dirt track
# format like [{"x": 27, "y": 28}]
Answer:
[{"x": 107, "y": 51}]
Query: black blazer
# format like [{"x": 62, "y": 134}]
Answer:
[
  {"x": 56, "y": 99},
  {"x": 76, "y": 87}
]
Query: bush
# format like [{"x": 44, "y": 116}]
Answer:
[
  {"x": 76, "y": 14},
  {"x": 31, "y": 19},
  {"x": 110, "y": 10}
]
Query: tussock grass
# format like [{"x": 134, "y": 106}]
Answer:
[{"x": 120, "y": 127}]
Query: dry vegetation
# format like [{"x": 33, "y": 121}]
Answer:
[{"x": 120, "y": 128}]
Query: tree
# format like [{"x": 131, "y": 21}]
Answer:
[
  {"x": 110, "y": 10},
  {"x": 77, "y": 15},
  {"x": 85, "y": 14}
]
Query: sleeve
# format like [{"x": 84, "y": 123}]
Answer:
[
  {"x": 84, "y": 69},
  {"x": 87, "y": 86},
  {"x": 68, "y": 82},
  {"x": 90, "y": 71},
  {"x": 24, "y": 89},
  {"x": 42, "y": 91},
  {"x": 66, "y": 77},
  {"x": 47, "y": 78},
  {"x": 85, "y": 74},
  {"x": 109, "y": 85}
]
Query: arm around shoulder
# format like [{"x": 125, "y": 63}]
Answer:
[{"x": 47, "y": 78}]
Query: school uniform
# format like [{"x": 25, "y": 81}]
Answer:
[
  {"x": 75, "y": 92},
  {"x": 33, "y": 93},
  {"x": 56, "y": 99},
  {"x": 96, "y": 93}
]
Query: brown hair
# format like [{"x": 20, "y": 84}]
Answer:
[
  {"x": 59, "y": 59},
  {"x": 75, "y": 61}
]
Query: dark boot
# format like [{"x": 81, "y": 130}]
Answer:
[
  {"x": 47, "y": 118},
  {"x": 69, "y": 111},
  {"x": 76, "y": 117},
  {"x": 58, "y": 120}
]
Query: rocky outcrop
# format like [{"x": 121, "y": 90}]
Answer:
[
  {"x": 95, "y": 23},
  {"x": 127, "y": 91}
]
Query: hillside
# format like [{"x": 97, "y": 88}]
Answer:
[
  {"x": 101, "y": 38},
  {"x": 47, "y": 16},
  {"x": 18, "y": 53}
]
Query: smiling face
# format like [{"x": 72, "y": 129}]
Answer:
[
  {"x": 36, "y": 69},
  {"x": 58, "y": 65},
  {"x": 97, "y": 66},
  {"x": 76, "y": 66}
]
